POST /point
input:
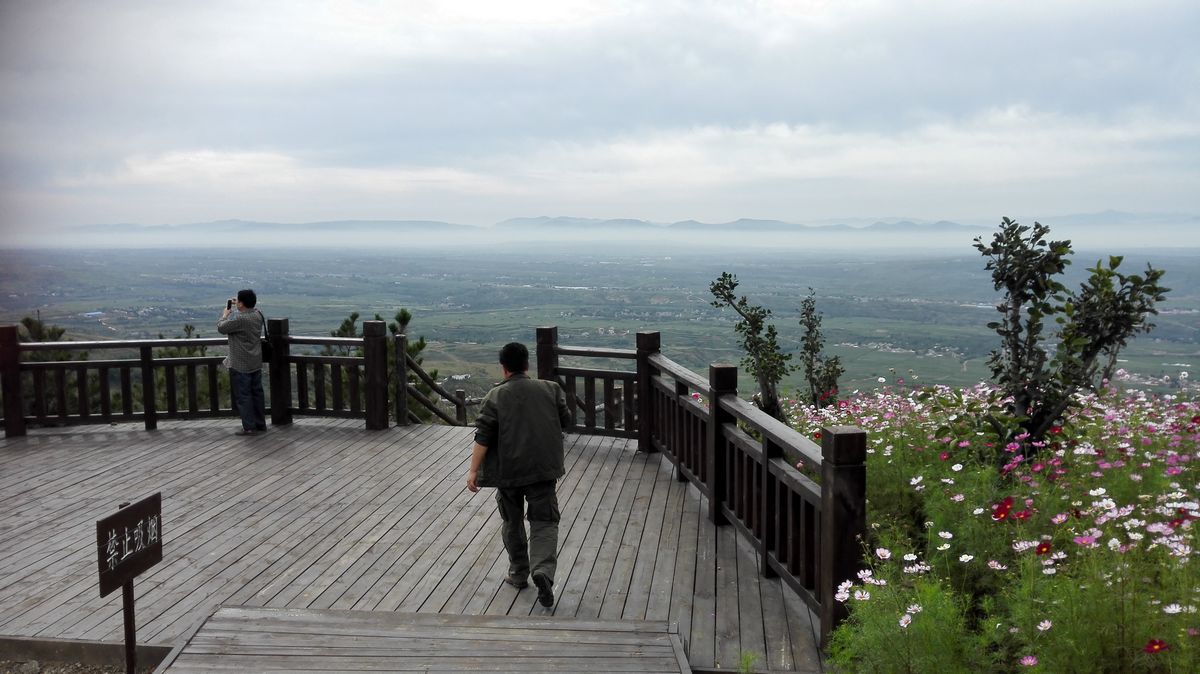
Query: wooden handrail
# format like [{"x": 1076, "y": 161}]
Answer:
[
  {"x": 772, "y": 429},
  {"x": 430, "y": 405},
  {"x": 588, "y": 352},
  {"x": 121, "y": 344},
  {"x": 593, "y": 372},
  {"x": 680, "y": 373}
]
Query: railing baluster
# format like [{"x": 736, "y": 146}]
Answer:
[
  {"x": 149, "y": 399},
  {"x": 335, "y": 380},
  {"x": 39, "y": 395},
  {"x": 60, "y": 381},
  {"x": 193, "y": 400},
  {"x": 355, "y": 395},
  {"x": 610, "y": 403},
  {"x": 105, "y": 395},
  {"x": 214, "y": 389},
  {"x": 83, "y": 400},
  {"x": 572, "y": 399},
  {"x": 171, "y": 393},
  {"x": 589, "y": 402},
  {"x": 302, "y": 385},
  {"x": 126, "y": 391},
  {"x": 629, "y": 396},
  {"x": 319, "y": 385}
]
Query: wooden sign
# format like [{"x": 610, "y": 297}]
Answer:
[{"x": 128, "y": 542}]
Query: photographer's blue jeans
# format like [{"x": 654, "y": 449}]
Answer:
[{"x": 249, "y": 400}]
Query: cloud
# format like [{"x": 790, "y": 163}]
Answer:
[{"x": 664, "y": 108}]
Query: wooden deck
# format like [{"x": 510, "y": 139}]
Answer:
[{"x": 325, "y": 515}]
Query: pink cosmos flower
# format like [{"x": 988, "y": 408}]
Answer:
[{"x": 1029, "y": 660}]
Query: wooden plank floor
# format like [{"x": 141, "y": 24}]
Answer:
[
  {"x": 239, "y": 639},
  {"x": 325, "y": 515}
]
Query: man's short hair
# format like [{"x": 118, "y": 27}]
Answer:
[
  {"x": 514, "y": 357},
  {"x": 248, "y": 298}
]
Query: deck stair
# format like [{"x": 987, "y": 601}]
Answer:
[{"x": 249, "y": 639}]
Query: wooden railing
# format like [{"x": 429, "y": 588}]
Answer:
[
  {"x": 807, "y": 532},
  {"x": 613, "y": 413},
  {"x": 152, "y": 387}
]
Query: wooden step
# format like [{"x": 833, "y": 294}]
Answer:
[{"x": 250, "y": 639}]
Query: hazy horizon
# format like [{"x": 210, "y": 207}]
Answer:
[{"x": 134, "y": 111}]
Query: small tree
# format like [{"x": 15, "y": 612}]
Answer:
[
  {"x": 398, "y": 325},
  {"x": 764, "y": 359},
  {"x": 821, "y": 372},
  {"x": 1041, "y": 380}
]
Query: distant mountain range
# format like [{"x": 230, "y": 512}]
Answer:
[
  {"x": 740, "y": 225},
  {"x": 1135, "y": 229}
]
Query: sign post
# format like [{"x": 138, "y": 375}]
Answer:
[{"x": 127, "y": 543}]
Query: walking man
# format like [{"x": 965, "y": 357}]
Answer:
[
  {"x": 245, "y": 328},
  {"x": 519, "y": 451}
]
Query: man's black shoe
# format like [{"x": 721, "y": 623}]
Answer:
[
  {"x": 545, "y": 594},
  {"x": 518, "y": 583}
]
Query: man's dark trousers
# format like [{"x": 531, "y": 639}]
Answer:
[
  {"x": 248, "y": 397},
  {"x": 537, "y": 553}
]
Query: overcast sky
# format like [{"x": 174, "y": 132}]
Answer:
[{"x": 176, "y": 112}]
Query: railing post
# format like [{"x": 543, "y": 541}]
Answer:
[
  {"x": 648, "y": 344},
  {"x": 281, "y": 372},
  {"x": 460, "y": 407},
  {"x": 722, "y": 381},
  {"x": 375, "y": 364},
  {"x": 401, "y": 374},
  {"x": 10, "y": 381},
  {"x": 547, "y": 354},
  {"x": 149, "y": 397},
  {"x": 843, "y": 516}
]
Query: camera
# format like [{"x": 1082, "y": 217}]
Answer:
[{"x": 228, "y": 305}]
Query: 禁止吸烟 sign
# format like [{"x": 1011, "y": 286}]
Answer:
[{"x": 128, "y": 542}]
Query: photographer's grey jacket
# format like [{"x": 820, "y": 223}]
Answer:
[
  {"x": 245, "y": 343},
  {"x": 521, "y": 423}
]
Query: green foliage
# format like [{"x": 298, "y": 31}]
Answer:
[
  {"x": 746, "y": 662},
  {"x": 764, "y": 358},
  {"x": 821, "y": 372},
  {"x": 1042, "y": 377},
  {"x": 33, "y": 329}
]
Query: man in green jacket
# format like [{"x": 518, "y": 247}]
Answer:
[{"x": 519, "y": 451}]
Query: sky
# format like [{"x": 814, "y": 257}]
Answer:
[{"x": 475, "y": 112}]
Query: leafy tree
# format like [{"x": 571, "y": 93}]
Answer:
[
  {"x": 764, "y": 359},
  {"x": 1041, "y": 378},
  {"x": 821, "y": 372}
]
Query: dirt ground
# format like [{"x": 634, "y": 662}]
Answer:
[{"x": 34, "y": 667}]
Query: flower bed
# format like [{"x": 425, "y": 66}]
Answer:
[{"x": 1076, "y": 554}]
